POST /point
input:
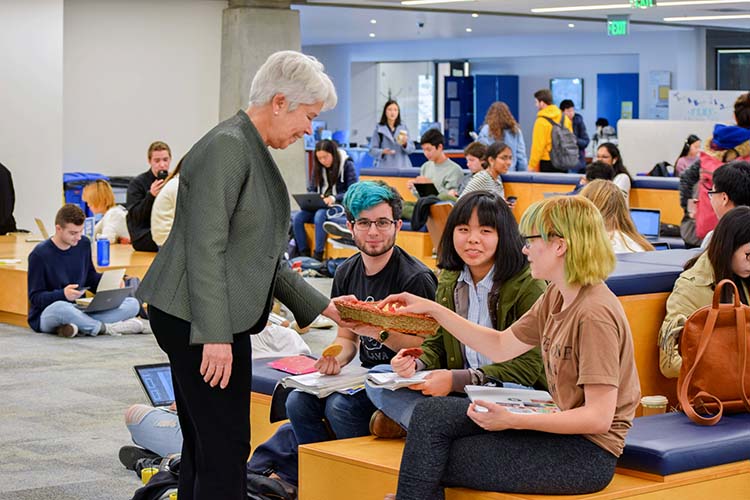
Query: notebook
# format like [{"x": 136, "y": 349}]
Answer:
[
  {"x": 42, "y": 231},
  {"x": 514, "y": 400},
  {"x": 426, "y": 189},
  {"x": 296, "y": 365},
  {"x": 647, "y": 221},
  {"x": 156, "y": 381},
  {"x": 309, "y": 201}
]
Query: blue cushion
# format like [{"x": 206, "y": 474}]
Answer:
[
  {"x": 671, "y": 183},
  {"x": 554, "y": 178},
  {"x": 674, "y": 241},
  {"x": 518, "y": 177},
  {"x": 264, "y": 377},
  {"x": 389, "y": 172},
  {"x": 670, "y": 443},
  {"x": 633, "y": 278}
]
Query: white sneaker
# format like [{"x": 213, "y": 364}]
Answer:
[
  {"x": 132, "y": 325},
  {"x": 322, "y": 322}
]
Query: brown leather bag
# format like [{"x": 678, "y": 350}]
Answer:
[{"x": 715, "y": 347}]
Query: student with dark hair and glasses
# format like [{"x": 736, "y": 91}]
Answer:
[
  {"x": 380, "y": 268},
  {"x": 727, "y": 257},
  {"x": 731, "y": 189}
]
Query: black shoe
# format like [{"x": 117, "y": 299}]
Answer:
[
  {"x": 337, "y": 230},
  {"x": 146, "y": 462},
  {"x": 129, "y": 456},
  {"x": 260, "y": 486}
]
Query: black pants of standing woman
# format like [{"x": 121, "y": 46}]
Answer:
[
  {"x": 215, "y": 422},
  {"x": 444, "y": 447}
]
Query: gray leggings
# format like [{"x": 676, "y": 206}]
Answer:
[{"x": 444, "y": 447}]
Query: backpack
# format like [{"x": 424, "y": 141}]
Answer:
[
  {"x": 564, "y": 152},
  {"x": 662, "y": 169}
]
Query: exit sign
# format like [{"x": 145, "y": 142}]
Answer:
[
  {"x": 618, "y": 25},
  {"x": 642, "y": 4}
]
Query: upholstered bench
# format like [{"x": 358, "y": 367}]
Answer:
[
  {"x": 263, "y": 382},
  {"x": 670, "y": 443}
]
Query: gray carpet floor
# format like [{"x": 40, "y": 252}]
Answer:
[{"x": 62, "y": 404}]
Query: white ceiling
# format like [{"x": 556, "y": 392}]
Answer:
[{"x": 348, "y": 21}]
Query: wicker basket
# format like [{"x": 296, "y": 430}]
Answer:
[{"x": 368, "y": 312}]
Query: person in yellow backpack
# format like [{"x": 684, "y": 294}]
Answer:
[{"x": 541, "y": 138}]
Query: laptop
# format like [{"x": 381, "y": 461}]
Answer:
[
  {"x": 426, "y": 189},
  {"x": 104, "y": 300},
  {"x": 156, "y": 380},
  {"x": 647, "y": 221},
  {"x": 309, "y": 201},
  {"x": 42, "y": 231}
]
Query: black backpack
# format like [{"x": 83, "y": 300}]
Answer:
[{"x": 564, "y": 152}]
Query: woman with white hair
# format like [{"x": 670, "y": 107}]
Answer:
[{"x": 213, "y": 282}]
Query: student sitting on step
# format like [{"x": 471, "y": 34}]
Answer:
[
  {"x": 485, "y": 278},
  {"x": 587, "y": 350},
  {"x": 60, "y": 271}
]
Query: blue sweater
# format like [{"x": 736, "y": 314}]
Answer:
[{"x": 52, "y": 269}]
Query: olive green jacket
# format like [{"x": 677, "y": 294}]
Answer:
[
  {"x": 515, "y": 297},
  {"x": 222, "y": 263}
]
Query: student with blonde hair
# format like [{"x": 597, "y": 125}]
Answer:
[
  {"x": 587, "y": 350},
  {"x": 622, "y": 232},
  {"x": 101, "y": 200}
]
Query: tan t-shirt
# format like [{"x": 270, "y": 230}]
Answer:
[{"x": 587, "y": 343}]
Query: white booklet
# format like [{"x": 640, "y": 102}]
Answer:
[
  {"x": 392, "y": 381},
  {"x": 324, "y": 385},
  {"x": 514, "y": 400}
]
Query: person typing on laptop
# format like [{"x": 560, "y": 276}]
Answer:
[{"x": 60, "y": 270}]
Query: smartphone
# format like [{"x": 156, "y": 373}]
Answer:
[
  {"x": 162, "y": 174},
  {"x": 82, "y": 289}
]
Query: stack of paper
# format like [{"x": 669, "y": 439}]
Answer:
[
  {"x": 392, "y": 381},
  {"x": 324, "y": 385}
]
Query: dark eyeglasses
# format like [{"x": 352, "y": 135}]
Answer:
[
  {"x": 712, "y": 192},
  {"x": 381, "y": 224},
  {"x": 527, "y": 239}
]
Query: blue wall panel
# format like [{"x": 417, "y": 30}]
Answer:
[
  {"x": 491, "y": 88},
  {"x": 611, "y": 90}
]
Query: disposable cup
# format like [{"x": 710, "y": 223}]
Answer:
[{"x": 653, "y": 405}]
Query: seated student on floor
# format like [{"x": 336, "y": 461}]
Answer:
[
  {"x": 727, "y": 257},
  {"x": 587, "y": 349},
  {"x": 624, "y": 236},
  {"x": 60, "y": 269},
  {"x": 484, "y": 278},
  {"x": 113, "y": 225},
  {"x": 381, "y": 268},
  {"x": 332, "y": 171}
]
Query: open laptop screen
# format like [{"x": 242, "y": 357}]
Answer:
[
  {"x": 646, "y": 221},
  {"x": 156, "y": 381}
]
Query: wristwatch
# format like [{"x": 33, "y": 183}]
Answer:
[{"x": 383, "y": 336}]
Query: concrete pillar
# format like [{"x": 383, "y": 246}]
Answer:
[{"x": 253, "y": 30}]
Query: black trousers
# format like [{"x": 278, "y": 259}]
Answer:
[
  {"x": 546, "y": 166},
  {"x": 215, "y": 422}
]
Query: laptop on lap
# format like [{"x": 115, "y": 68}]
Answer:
[
  {"x": 309, "y": 201},
  {"x": 156, "y": 381},
  {"x": 647, "y": 221}
]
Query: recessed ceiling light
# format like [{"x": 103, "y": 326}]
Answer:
[
  {"x": 469, "y": 30},
  {"x": 706, "y": 18},
  {"x": 373, "y": 21},
  {"x": 474, "y": 15},
  {"x": 424, "y": 2},
  {"x": 372, "y": 35},
  {"x": 571, "y": 25}
]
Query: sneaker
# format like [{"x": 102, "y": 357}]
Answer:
[
  {"x": 337, "y": 230},
  {"x": 345, "y": 243},
  {"x": 131, "y": 325},
  {"x": 382, "y": 426},
  {"x": 322, "y": 322},
  {"x": 68, "y": 330},
  {"x": 130, "y": 455}
]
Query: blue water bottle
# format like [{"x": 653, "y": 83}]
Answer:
[{"x": 102, "y": 252}]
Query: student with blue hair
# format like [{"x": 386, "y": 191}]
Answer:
[{"x": 373, "y": 213}]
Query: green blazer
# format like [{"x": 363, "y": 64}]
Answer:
[
  {"x": 515, "y": 297},
  {"x": 222, "y": 263}
]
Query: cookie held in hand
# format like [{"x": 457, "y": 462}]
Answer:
[
  {"x": 414, "y": 352},
  {"x": 333, "y": 350}
]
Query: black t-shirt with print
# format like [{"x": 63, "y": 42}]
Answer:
[{"x": 403, "y": 273}]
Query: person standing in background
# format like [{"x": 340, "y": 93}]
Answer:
[
  {"x": 579, "y": 130},
  {"x": 390, "y": 144},
  {"x": 500, "y": 126},
  {"x": 142, "y": 192},
  {"x": 7, "y": 201},
  {"x": 541, "y": 138}
]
